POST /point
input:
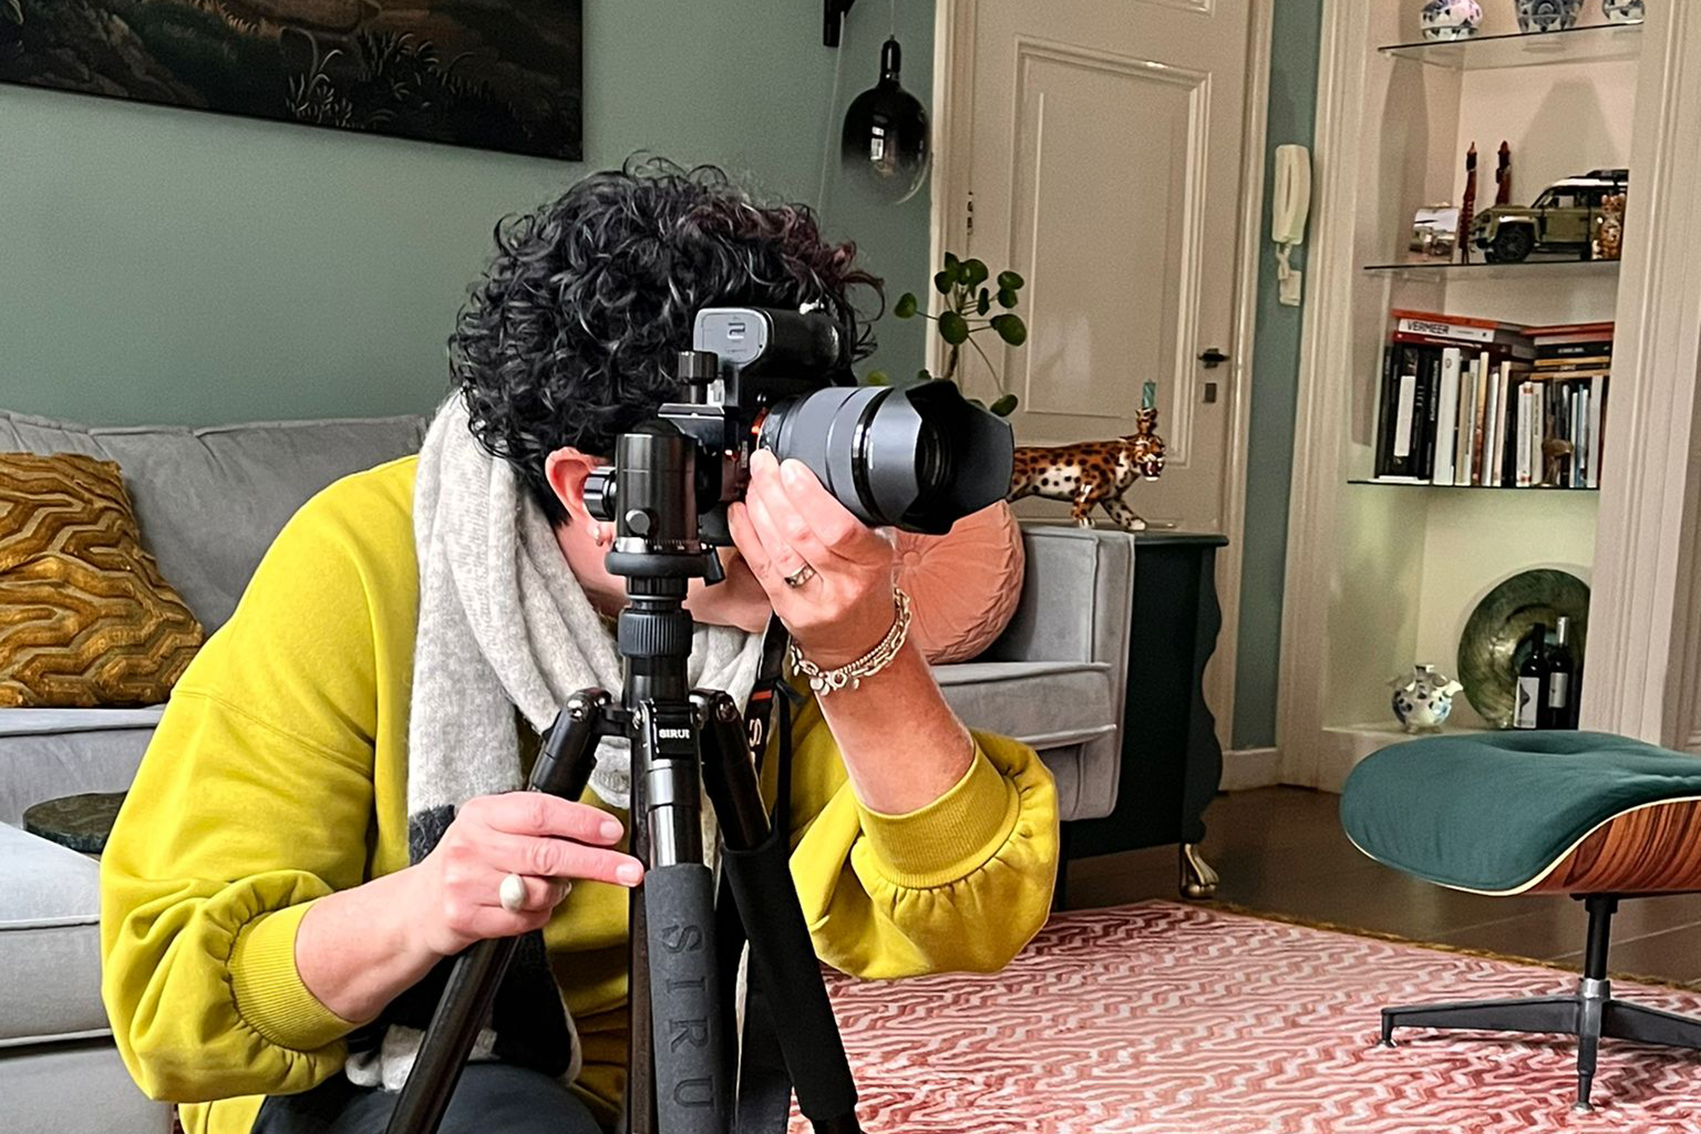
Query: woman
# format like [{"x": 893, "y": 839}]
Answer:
[{"x": 327, "y": 811}]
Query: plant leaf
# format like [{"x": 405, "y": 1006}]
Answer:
[
  {"x": 973, "y": 273},
  {"x": 1010, "y": 281},
  {"x": 984, "y": 303},
  {"x": 905, "y": 307},
  {"x": 1011, "y": 329},
  {"x": 942, "y": 281},
  {"x": 1006, "y": 297},
  {"x": 877, "y": 378},
  {"x": 923, "y": 376},
  {"x": 951, "y": 261},
  {"x": 953, "y": 328},
  {"x": 1004, "y": 406}
]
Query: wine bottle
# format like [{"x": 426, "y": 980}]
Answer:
[
  {"x": 1559, "y": 701},
  {"x": 1532, "y": 683}
]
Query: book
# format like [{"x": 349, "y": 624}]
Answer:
[
  {"x": 1386, "y": 395},
  {"x": 1464, "y": 417},
  {"x": 1405, "y": 410},
  {"x": 1447, "y": 417},
  {"x": 1602, "y": 329},
  {"x": 1493, "y": 429},
  {"x": 1526, "y": 423},
  {"x": 1597, "y": 411},
  {"x": 1460, "y": 327},
  {"x": 1549, "y": 349},
  {"x": 1517, "y": 348},
  {"x": 1574, "y": 362},
  {"x": 1486, "y": 371}
]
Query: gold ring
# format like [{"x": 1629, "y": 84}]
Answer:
[{"x": 801, "y": 576}]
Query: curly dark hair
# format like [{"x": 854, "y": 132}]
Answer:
[{"x": 571, "y": 337}]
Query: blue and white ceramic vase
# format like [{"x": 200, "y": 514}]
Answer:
[
  {"x": 1622, "y": 11},
  {"x": 1423, "y": 699},
  {"x": 1451, "y": 19},
  {"x": 1548, "y": 15}
]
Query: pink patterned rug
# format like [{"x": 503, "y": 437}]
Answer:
[{"x": 1162, "y": 1018}]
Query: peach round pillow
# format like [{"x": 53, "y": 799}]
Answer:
[{"x": 963, "y": 586}]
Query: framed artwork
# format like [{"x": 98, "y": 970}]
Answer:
[
  {"x": 1435, "y": 232},
  {"x": 493, "y": 74}
]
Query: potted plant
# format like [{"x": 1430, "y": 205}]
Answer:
[
  {"x": 965, "y": 584},
  {"x": 967, "y": 312}
]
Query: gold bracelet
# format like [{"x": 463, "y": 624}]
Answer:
[{"x": 825, "y": 681}]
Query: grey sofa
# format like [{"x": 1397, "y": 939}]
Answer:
[{"x": 209, "y": 502}]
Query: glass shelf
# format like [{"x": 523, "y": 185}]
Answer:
[
  {"x": 1596, "y": 43},
  {"x": 1462, "y": 487},
  {"x": 1481, "y": 270}
]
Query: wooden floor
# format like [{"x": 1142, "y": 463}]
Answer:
[{"x": 1281, "y": 850}]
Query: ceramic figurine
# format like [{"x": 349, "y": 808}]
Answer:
[
  {"x": 1622, "y": 11},
  {"x": 1548, "y": 15},
  {"x": 1423, "y": 699},
  {"x": 1452, "y": 19}
]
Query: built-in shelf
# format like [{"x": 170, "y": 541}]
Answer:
[
  {"x": 1463, "y": 487},
  {"x": 1597, "y": 43},
  {"x": 1481, "y": 270}
]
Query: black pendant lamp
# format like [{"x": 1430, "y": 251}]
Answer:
[{"x": 885, "y": 147}]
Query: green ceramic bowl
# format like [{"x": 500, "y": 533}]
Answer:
[{"x": 1501, "y": 634}]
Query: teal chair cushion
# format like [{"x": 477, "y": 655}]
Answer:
[{"x": 1494, "y": 811}]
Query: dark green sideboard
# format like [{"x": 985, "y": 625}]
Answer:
[{"x": 1171, "y": 761}]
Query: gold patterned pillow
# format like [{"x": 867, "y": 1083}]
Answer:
[{"x": 85, "y": 618}]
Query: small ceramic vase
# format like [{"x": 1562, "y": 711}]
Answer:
[
  {"x": 1548, "y": 15},
  {"x": 1453, "y": 19},
  {"x": 1423, "y": 699},
  {"x": 1622, "y": 11}
]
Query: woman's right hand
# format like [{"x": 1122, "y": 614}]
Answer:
[{"x": 546, "y": 840}]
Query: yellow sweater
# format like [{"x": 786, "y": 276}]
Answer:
[{"x": 278, "y": 776}]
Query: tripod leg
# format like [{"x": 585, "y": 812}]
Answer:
[
  {"x": 781, "y": 953},
  {"x": 685, "y": 1021},
  {"x": 563, "y": 768}
]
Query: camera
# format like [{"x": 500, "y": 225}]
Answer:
[{"x": 917, "y": 458}]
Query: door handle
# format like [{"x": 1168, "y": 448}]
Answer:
[{"x": 1213, "y": 357}]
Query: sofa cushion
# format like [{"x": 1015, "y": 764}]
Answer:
[
  {"x": 965, "y": 583},
  {"x": 49, "y": 941},
  {"x": 47, "y": 753},
  {"x": 1042, "y": 704},
  {"x": 89, "y": 619},
  {"x": 210, "y": 501}
]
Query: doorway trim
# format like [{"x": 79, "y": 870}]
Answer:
[{"x": 953, "y": 158}]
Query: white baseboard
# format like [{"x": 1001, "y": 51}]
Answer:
[{"x": 1248, "y": 768}]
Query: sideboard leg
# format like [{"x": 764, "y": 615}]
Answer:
[{"x": 1198, "y": 880}]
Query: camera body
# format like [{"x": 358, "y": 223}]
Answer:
[{"x": 918, "y": 458}]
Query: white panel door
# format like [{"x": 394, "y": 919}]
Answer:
[{"x": 1105, "y": 168}]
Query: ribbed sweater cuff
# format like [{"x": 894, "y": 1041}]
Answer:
[
  {"x": 270, "y": 996},
  {"x": 950, "y": 838}
]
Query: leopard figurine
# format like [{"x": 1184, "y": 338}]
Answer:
[{"x": 1093, "y": 472}]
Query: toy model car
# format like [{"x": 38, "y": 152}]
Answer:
[{"x": 1561, "y": 220}]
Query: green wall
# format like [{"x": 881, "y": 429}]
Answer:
[
  {"x": 1275, "y": 382},
  {"x": 170, "y": 266}
]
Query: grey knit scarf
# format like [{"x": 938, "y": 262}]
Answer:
[{"x": 503, "y": 625}]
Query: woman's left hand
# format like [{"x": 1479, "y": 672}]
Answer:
[{"x": 789, "y": 524}]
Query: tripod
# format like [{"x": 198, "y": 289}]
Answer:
[{"x": 680, "y": 1060}]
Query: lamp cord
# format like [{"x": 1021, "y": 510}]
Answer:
[{"x": 828, "y": 133}]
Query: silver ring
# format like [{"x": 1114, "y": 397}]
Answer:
[
  {"x": 800, "y": 576},
  {"x": 512, "y": 893}
]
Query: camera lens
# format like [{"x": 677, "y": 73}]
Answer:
[{"x": 919, "y": 458}]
